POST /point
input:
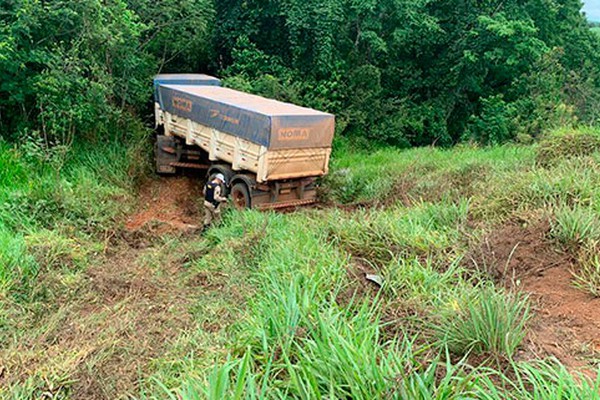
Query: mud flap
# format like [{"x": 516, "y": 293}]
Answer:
[{"x": 165, "y": 154}]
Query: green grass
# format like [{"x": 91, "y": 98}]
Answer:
[
  {"x": 308, "y": 330},
  {"x": 89, "y": 194},
  {"x": 541, "y": 380},
  {"x": 282, "y": 309},
  {"x": 421, "y": 174},
  {"x": 490, "y": 322},
  {"x": 574, "y": 227},
  {"x": 586, "y": 275},
  {"x": 56, "y": 210},
  {"x": 568, "y": 143},
  {"x": 426, "y": 229}
]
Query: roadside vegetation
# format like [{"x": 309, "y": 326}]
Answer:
[
  {"x": 439, "y": 327},
  {"x": 53, "y": 204},
  {"x": 280, "y": 306},
  {"x": 454, "y": 254}
]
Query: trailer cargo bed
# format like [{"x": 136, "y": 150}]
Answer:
[
  {"x": 270, "y": 152},
  {"x": 272, "y": 139}
]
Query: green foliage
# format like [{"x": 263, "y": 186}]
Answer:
[
  {"x": 575, "y": 226},
  {"x": 43, "y": 192},
  {"x": 542, "y": 380},
  {"x": 81, "y": 68},
  {"x": 491, "y": 322},
  {"x": 389, "y": 176},
  {"x": 495, "y": 123},
  {"x": 425, "y": 230},
  {"x": 398, "y": 72},
  {"x": 177, "y": 34},
  {"x": 587, "y": 273},
  {"x": 18, "y": 268},
  {"x": 566, "y": 143},
  {"x": 65, "y": 65},
  {"x": 412, "y": 72}
]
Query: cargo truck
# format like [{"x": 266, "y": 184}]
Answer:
[{"x": 270, "y": 152}]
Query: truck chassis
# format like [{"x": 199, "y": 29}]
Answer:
[{"x": 173, "y": 154}]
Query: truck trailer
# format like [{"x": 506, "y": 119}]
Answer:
[{"x": 270, "y": 152}]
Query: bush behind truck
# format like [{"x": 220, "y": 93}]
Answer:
[{"x": 270, "y": 152}]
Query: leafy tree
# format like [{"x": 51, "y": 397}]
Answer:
[
  {"x": 83, "y": 67},
  {"x": 402, "y": 72},
  {"x": 418, "y": 71}
]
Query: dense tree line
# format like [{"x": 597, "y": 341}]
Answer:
[{"x": 402, "y": 72}]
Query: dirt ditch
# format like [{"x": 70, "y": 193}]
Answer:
[
  {"x": 167, "y": 204},
  {"x": 566, "y": 324}
]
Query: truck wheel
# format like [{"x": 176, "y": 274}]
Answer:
[{"x": 241, "y": 196}]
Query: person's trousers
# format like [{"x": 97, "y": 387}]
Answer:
[{"x": 211, "y": 214}]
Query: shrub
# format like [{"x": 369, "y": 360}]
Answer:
[
  {"x": 587, "y": 275},
  {"x": 567, "y": 143},
  {"x": 574, "y": 226},
  {"x": 494, "y": 124}
]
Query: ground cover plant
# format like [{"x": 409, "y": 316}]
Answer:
[
  {"x": 312, "y": 329},
  {"x": 276, "y": 305},
  {"x": 466, "y": 267}
]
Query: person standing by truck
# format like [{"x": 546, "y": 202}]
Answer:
[{"x": 213, "y": 200}]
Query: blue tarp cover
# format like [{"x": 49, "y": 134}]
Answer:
[
  {"x": 183, "y": 79},
  {"x": 267, "y": 122}
]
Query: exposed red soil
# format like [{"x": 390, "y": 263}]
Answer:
[
  {"x": 518, "y": 250},
  {"x": 359, "y": 285},
  {"x": 168, "y": 204},
  {"x": 566, "y": 324}
]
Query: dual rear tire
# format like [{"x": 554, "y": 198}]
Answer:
[{"x": 240, "y": 193}]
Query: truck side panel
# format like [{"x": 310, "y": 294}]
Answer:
[
  {"x": 243, "y": 155},
  {"x": 265, "y": 122}
]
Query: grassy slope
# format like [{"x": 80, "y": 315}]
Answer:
[
  {"x": 43, "y": 202},
  {"x": 282, "y": 309},
  {"x": 310, "y": 329},
  {"x": 56, "y": 212}
]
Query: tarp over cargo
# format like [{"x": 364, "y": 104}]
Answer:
[
  {"x": 267, "y": 122},
  {"x": 183, "y": 79}
]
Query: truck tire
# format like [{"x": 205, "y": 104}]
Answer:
[{"x": 240, "y": 195}]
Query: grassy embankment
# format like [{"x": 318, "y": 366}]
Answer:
[
  {"x": 304, "y": 324},
  {"x": 58, "y": 212},
  {"x": 282, "y": 309}
]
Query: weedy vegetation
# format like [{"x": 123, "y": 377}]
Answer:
[
  {"x": 312, "y": 329},
  {"x": 499, "y": 105},
  {"x": 278, "y": 306}
]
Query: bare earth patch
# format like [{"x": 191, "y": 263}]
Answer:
[
  {"x": 567, "y": 320},
  {"x": 172, "y": 203}
]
